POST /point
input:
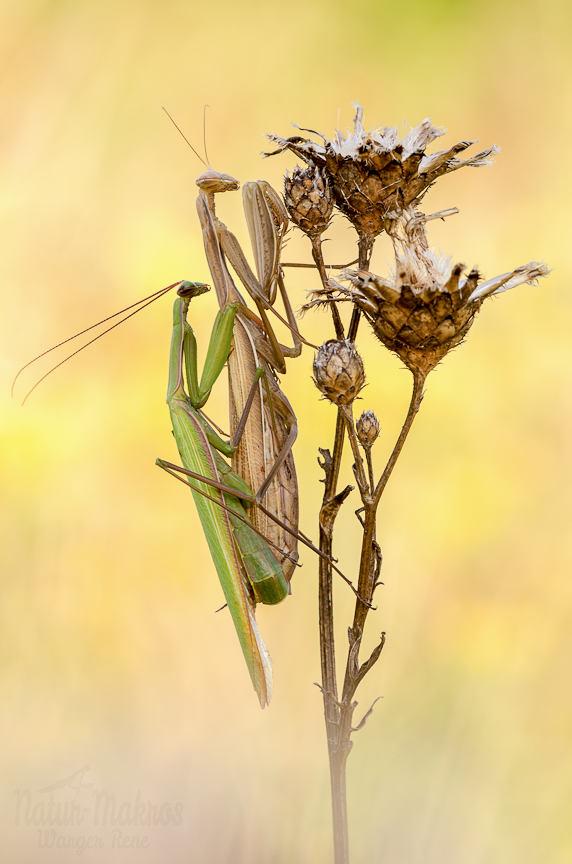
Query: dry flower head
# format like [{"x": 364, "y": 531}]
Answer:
[
  {"x": 373, "y": 175},
  {"x": 367, "y": 428},
  {"x": 309, "y": 200},
  {"x": 428, "y": 307},
  {"x": 338, "y": 371}
]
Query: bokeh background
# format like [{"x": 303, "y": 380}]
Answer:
[{"x": 115, "y": 671}]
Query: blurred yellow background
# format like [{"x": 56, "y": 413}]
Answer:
[{"x": 112, "y": 657}]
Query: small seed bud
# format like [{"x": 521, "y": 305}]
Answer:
[
  {"x": 367, "y": 428},
  {"x": 309, "y": 200},
  {"x": 338, "y": 371}
]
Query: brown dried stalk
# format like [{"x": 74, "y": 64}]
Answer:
[
  {"x": 427, "y": 308},
  {"x": 339, "y": 711}
]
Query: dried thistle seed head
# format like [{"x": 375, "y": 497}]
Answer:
[
  {"x": 427, "y": 308},
  {"x": 373, "y": 175},
  {"x": 367, "y": 428},
  {"x": 309, "y": 200},
  {"x": 338, "y": 371}
]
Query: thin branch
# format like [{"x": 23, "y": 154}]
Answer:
[
  {"x": 318, "y": 258},
  {"x": 369, "y": 467},
  {"x": 347, "y": 413},
  {"x": 328, "y": 695},
  {"x": 416, "y": 397},
  {"x": 313, "y": 266},
  {"x": 371, "y": 661},
  {"x": 362, "y": 722}
]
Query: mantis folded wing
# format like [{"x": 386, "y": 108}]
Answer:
[{"x": 247, "y": 569}]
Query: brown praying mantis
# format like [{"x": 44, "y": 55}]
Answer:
[{"x": 264, "y": 455}]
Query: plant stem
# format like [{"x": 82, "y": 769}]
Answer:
[
  {"x": 414, "y": 404},
  {"x": 319, "y": 259},
  {"x": 331, "y": 465},
  {"x": 339, "y": 713}
]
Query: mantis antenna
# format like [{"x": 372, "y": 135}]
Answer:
[
  {"x": 141, "y": 304},
  {"x": 146, "y": 301},
  {"x": 207, "y": 164},
  {"x": 205, "y": 132},
  {"x": 178, "y": 128}
]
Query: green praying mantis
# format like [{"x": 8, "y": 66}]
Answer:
[
  {"x": 254, "y": 559},
  {"x": 247, "y": 569},
  {"x": 251, "y": 568}
]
